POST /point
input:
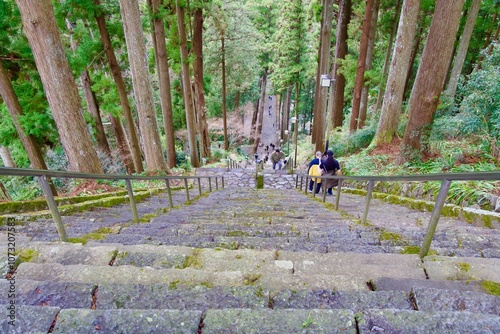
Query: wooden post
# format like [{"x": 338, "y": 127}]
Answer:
[
  {"x": 132, "y": 200},
  {"x": 368, "y": 199},
  {"x": 187, "y": 188},
  {"x": 169, "y": 192},
  {"x": 49, "y": 197},
  {"x": 337, "y": 200},
  {"x": 436, "y": 213}
]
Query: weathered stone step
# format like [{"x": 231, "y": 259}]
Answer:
[
  {"x": 127, "y": 321},
  {"x": 274, "y": 277},
  {"x": 32, "y": 319}
]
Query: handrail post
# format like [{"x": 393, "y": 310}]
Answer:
[
  {"x": 222, "y": 179},
  {"x": 436, "y": 212},
  {"x": 368, "y": 199},
  {"x": 51, "y": 202},
  {"x": 307, "y": 185},
  {"x": 199, "y": 185},
  {"x": 210, "y": 184},
  {"x": 187, "y": 187},
  {"x": 169, "y": 192},
  {"x": 337, "y": 200},
  {"x": 216, "y": 183},
  {"x": 314, "y": 187},
  {"x": 323, "y": 189},
  {"x": 132, "y": 200}
]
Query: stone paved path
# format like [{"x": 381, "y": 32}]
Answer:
[{"x": 242, "y": 260}]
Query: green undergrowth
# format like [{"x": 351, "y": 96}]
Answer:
[
  {"x": 25, "y": 255},
  {"x": 99, "y": 234},
  {"x": 492, "y": 288}
]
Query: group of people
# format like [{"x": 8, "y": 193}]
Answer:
[{"x": 323, "y": 165}]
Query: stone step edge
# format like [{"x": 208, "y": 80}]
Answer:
[{"x": 69, "y": 209}]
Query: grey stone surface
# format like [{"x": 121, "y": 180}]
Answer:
[
  {"x": 419, "y": 322},
  {"x": 69, "y": 253},
  {"x": 429, "y": 299},
  {"x": 127, "y": 321},
  {"x": 27, "y": 319},
  {"x": 257, "y": 321},
  {"x": 391, "y": 283},
  {"x": 57, "y": 294},
  {"x": 462, "y": 268},
  {"x": 350, "y": 300},
  {"x": 172, "y": 296}
]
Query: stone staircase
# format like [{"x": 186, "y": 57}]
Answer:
[{"x": 242, "y": 260}]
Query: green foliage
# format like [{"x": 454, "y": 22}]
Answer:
[
  {"x": 21, "y": 188},
  {"x": 479, "y": 109}
]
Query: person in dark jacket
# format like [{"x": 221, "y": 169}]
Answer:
[{"x": 331, "y": 167}]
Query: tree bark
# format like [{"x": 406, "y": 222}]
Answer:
[
  {"x": 258, "y": 131},
  {"x": 134, "y": 38},
  {"x": 462, "y": 48},
  {"x": 186, "y": 86},
  {"x": 95, "y": 113},
  {"x": 62, "y": 94},
  {"x": 431, "y": 72},
  {"x": 360, "y": 69},
  {"x": 121, "y": 142},
  {"x": 91, "y": 101},
  {"x": 286, "y": 112},
  {"x": 368, "y": 65},
  {"x": 164, "y": 79},
  {"x": 224, "y": 99},
  {"x": 393, "y": 98},
  {"x": 135, "y": 150},
  {"x": 320, "y": 122},
  {"x": 201, "y": 109},
  {"x": 340, "y": 53},
  {"x": 7, "y": 157},
  {"x": 32, "y": 148},
  {"x": 388, "y": 53}
]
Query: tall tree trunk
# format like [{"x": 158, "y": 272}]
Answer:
[
  {"x": 164, "y": 80},
  {"x": 255, "y": 116},
  {"x": 95, "y": 113},
  {"x": 186, "y": 86},
  {"x": 360, "y": 69},
  {"x": 416, "y": 47},
  {"x": 7, "y": 157},
  {"x": 121, "y": 142},
  {"x": 91, "y": 101},
  {"x": 286, "y": 111},
  {"x": 134, "y": 38},
  {"x": 201, "y": 109},
  {"x": 368, "y": 65},
  {"x": 428, "y": 83},
  {"x": 258, "y": 131},
  {"x": 62, "y": 94},
  {"x": 393, "y": 99},
  {"x": 320, "y": 122},
  {"x": 224, "y": 101},
  {"x": 340, "y": 54},
  {"x": 121, "y": 88},
  {"x": 462, "y": 48},
  {"x": 29, "y": 142},
  {"x": 388, "y": 53},
  {"x": 4, "y": 195}
]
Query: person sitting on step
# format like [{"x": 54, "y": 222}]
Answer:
[
  {"x": 331, "y": 167},
  {"x": 314, "y": 170}
]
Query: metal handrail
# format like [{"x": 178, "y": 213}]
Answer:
[
  {"x": 43, "y": 176},
  {"x": 445, "y": 178}
]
